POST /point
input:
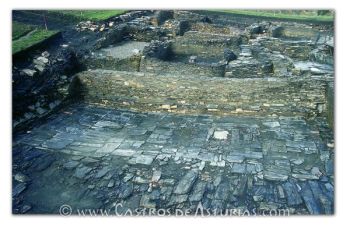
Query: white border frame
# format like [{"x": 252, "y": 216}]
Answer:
[{"x": 304, "y": 222}]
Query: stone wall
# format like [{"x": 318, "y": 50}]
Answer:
[
  {"x": 110, "y": 63},
  {"x": 299, "y": 50},
  {"x": 247, "y": 67},
  {"x": 111, "y": 37},
  {"x": 211, "y": 28},
  {"x": 160, "y": 16},
  {"x": 145, "y": 33},
  {"x": 156, "y": 66},
  {"x": 195, "y": 94},
  {"x": 42, "y": 87},
  {"x": 323, "y": 54},
  {"x": 330, "y": 104},
  {"x": 205, "y": 44},
  {"x": 189, "y": 16}
]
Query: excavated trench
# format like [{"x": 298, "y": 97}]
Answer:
[{"x": 158, "y": 113}]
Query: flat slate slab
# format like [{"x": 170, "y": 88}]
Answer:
[
  {"x": 186, "y": 182},
  {"x": 124, "y": 50},
  {"x": 152, "y": 159}
]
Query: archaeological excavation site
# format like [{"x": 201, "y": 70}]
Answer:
[{"x": 173, "y": 112}]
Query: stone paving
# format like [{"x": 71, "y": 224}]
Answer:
[{"x": 95, "y": 157}]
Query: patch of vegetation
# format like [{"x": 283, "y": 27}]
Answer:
[
  {"x": 20, "y": 29},
  {"x": 324, "y": 12},
  {"x": 35, "y": 37},
  {"x": 298, "y": 15},
  {"x": 93, "y": 15}
]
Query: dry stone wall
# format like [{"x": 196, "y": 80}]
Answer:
[
  {"x": 156, "y": 66},
  {"x": 197, "y": 94}
]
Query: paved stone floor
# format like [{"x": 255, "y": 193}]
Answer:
[{"x": 90, "y": 157}]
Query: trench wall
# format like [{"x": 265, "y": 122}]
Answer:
[{"x": 196, "y": 94}]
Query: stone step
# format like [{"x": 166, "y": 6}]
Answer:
[{"x": 202, "y": 95}]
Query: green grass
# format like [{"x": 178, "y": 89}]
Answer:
[
  {"x": 93, "y": 15},
  {"x": 277, "y": 14},
  {"x": 25, "y": 36},
  {"x": 36, "y": 36},
  {"x": 20, "y": 29}
]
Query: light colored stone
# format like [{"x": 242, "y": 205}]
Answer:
[
  {"x": 221, "y": 135},
  {"x": 280, "y": 192},
  {"x": 315, "y": 70},
  {"x": 218, "y": 163},
  {"x": 301, "y": 176},
  {"x": 274, "y": 176},
  {"x": 165, "y": 107},
  {"x": 110, "y": 184},
  {"x": 258, "y": 198},
  {"x": 124, "y": 152},
  {"x": 44, "y": 60},
  {"x": 40, "y": 68},
  {"x": 156, "y": 176},
  {"x": 45, "y": 54},
  {"x": 201, "y": 165},
  {"x": 272, "y": 124},
  {"x": 316, "y": 171},
  {"x": 29, "y": 72},
  {"x": 21, "y": 177},
  {"x": 136, "y": 51},
  {"x": 128, "y": 176},
  {"x": 140, "y": 180},
  {"x": 297, "y": 161},
  {"x": 192, "y": 59},
  {"x": 235, "y": 159},
  {"x": 144, "y": 159}
]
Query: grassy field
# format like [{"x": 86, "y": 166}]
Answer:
[
  {"x": 20, "y": 29},
  {"x": 93, "y": 15},
  {"x": 24, "y": 36},
  {"x": 30, "y": 39},
  {"x": 280, "y": 14}
]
